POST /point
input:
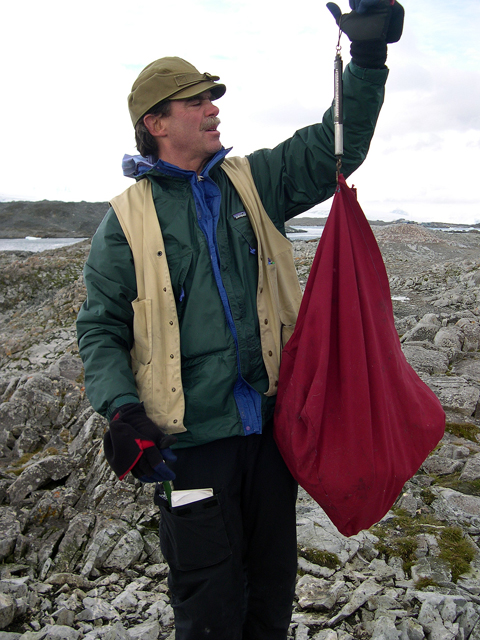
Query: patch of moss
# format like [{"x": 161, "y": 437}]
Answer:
[
  {"x": 466, "y": 430},
  {"x": 423, "y": 583},
  {"x": 456, "y": 550},
  {"x": 20, "y": 464},
  {"x": 50, "y": 451},
  {"x": 322, "y": 558},
  {"x": 452, "y": 481},
  {"x": 397, "y": 537},
  {"x": 427, "y": 496},
  {"x": 405, "y": 548}
]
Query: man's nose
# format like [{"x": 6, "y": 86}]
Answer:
[{"x": 212, "y": 109}]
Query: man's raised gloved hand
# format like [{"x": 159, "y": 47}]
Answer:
[
  {"x": 135, "y": 443},
  {"x": 371, "y": 25}
]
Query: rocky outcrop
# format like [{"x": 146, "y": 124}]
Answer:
[
  {"x": 50, "y": 218},
  {"x": 79, "y": 550}
]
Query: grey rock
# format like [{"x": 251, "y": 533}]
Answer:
[
  {"x": 384, "y": 629},
  {"x": 471, "y": 331},
  {"x": 404, "y": 324},
  {"x": 97, "y": 609},
  {"x": 67, "y": 366},
  {"x": 93, "y": 428},
  {"x": 421, "y": 331},
  {"x": 71, "y": 579},
  {"x": 427, "y": 544},
  {"x": 319, "y": 594},
  {"x": 361, "y": 594},
  {"x": 38, "y": 474},
  {"x": 408, "y": 502},
  {"x": 441, "y": 465},
  {"x": 432, "y": 624},
  {"x": 433, "y": 568},
  {"x": 115, "y": 632},
  {"x": 103, "y": 541},
  {"x": 8, "y": 609},
  {"x": 73, "y": 543},
  {"x": 145, "y": 631},
  {"x": 450, "y": 338},
  {"x": 6, "y": 635},
  {"x": 468, "y": 369},
  {"x": 17, "y": 587},
  {"x": 301, "y": 632},
  {"x": 126, "y": 552},
  {"x": 457, "y": 507},
  {"x": 424, "y": 360},
  {"x": 152, "y": 547},
  {"x": 125, "y": 601},
  {"x": 314, "y": 569},
  {"x": 64, "y": 617},
  {"x": 316, "y": 531},
  {"x": 60, "y": 632},
  {"x": 455, "y": 394},
  {"x": 11, "y": 530},
  {"x": 454, "y": 452},
  {"x": 471, "y": 470},
  {"x": 410, "y": 630},
  {"x": 27, "y": 442},
  {"x": 381, "y": 570},
  {"x": 330, "y": 634}
]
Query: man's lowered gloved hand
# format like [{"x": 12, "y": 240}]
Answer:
[
  {"x": 371, "y": 25},
  {"x": 135, "y": 443}
]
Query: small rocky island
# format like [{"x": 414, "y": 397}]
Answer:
[{"x": 79, "y": 550}]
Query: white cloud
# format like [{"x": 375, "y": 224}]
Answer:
[{"x": 67, "y": 69}]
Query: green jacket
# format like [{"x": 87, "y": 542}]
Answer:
[{"x": 223, "y": 374}]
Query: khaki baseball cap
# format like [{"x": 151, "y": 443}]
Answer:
[{"x": 169, "y": 78}]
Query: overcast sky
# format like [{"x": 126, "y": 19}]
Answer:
[{"x": 67, "y": 68}]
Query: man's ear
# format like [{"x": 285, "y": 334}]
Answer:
[{"x": 154, "y": 125}]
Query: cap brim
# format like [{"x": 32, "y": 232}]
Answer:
[{"x": 216, "y": 88}]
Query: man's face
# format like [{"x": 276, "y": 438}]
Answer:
[{"x": 190, "y": 137}]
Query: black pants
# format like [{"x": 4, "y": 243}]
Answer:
[{"x": 233, "y": 557}]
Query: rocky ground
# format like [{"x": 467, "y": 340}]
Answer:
[{"x": 79, "y": 550}]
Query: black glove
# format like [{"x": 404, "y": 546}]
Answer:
[
  {"x": 370, "y": 26},
  {"x": 135, "y": 443}
]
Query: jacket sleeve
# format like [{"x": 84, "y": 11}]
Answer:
[
  {"x": 105, "y": 321},
  {"x": 300, "y": 172}
]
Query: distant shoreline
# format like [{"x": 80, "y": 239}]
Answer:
[{"x": 57, "y": 219}]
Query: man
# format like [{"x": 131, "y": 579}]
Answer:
[{"x": 190, "y": 289}]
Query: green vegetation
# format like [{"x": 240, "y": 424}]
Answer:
[
  {"x": 452, "y": 481},
  {"x": 466, "y": 430},
  {"x": 322, "y": 558},
  {"x": 398, "y": 538},
  {"x": 427, "y": 496},
  {"x": 456, "y": 550},
  {"x": 423, "y": 583}
]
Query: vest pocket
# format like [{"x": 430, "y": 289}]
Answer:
[
  {"x": 193, "y": 536},
  {"x": 142, "y": 331}
]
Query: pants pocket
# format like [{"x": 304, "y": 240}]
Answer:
[{"x": 193, "y": 536}]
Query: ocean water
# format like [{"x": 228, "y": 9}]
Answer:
[
  {"x": 305, "y": 233},
  {"x": 33, "y": 244},
  {"x": 36, "y": 244}
]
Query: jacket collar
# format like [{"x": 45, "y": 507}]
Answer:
[{"x": 137, "y": 166}]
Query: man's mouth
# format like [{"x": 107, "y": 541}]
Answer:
[{"x": 210, "y": 124}]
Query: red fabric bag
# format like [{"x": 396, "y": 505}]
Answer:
[{"x": 353, "y": 420}]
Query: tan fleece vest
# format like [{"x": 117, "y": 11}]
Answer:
[{"x": 156, "y": 361}]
